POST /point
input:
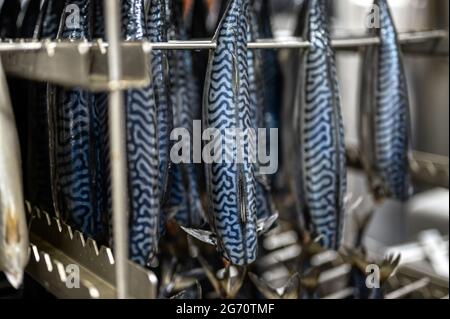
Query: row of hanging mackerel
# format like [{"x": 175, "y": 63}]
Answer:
[{"x": 237, "y": 211}]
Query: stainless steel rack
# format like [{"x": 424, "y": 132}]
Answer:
[{"x": 113, "y": 67}]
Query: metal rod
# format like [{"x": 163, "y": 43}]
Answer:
[
  {"x": 406, "y": 290},
  {"x": 117, "y": 145},
  {"x": 281, "y": 43}
]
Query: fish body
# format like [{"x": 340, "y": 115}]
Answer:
[
  {"x": 72, "y": 140},
  {"x": 157, "y": 32},
  {"x": 142, "y": 151},
  {"x": 320, "y": 178},
  {"x": 185, "y": 193},
  {"x": 264, "y": 202},
  {"x": 384, "y": 113},
  {"x": 38, "y": 187},
  {"x": 231, "y": 186},
  {"x": 272, "y": 80},
  {"x": 13, "y": 225}
]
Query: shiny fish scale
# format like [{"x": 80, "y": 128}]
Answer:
[
  {"x": 385, "y": 111},
  {"x": 157, "y": 32},
  {"x": 74, "y": 157},
  {"x": 142, "y": 151},
  {"x": 186, "y": 102},
  {"x": 256, "y": 88},
  {"x": 103, "y": 173},
  {"x": 321, "y": 181},
  {"x": 231, "y": 187}
]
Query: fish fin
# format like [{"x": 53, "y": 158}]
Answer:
[
  {"x": 264, "y": 225},
  {"x": 15, "y": 279},
  {"x": 291, "y": 289},
  {"x": 234, "y": 283},
  {"x": 180, "y": 295},
  {"x": 202, "y": 235},
  {"x": 265, "y": 289},
  {"x": 263, "y": 181},
  {"x": 210, "y": 274},
  {"x": 171, "y": 212},
  {"x": 199, "y": 290}
]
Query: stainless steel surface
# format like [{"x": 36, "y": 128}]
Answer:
[
  {"x": 88, "y": 67},
  {"x": 54, "y": 246},
  {"x": 117, "y": 148}
]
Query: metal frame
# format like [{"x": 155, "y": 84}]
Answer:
[{"x": 108, "y": 67}]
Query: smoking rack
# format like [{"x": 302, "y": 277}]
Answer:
[{"x": 114, "y": 67}]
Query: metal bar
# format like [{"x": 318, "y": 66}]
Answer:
[
  {"x": 118, "y": 150},
  {"x": 353, "y": 42},
  {"x": 52, "y": 237},
  {"x": 406, "y": 290}
]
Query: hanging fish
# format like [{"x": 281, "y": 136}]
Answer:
[
  {"x": 157, "y": 32},
  {"x": 226, "y": 106},
  {"x": 142, "y": 151},
  {"x": 38, "y": 189},
  {"x": 72, "y": 139},
  {"x": 320, "y": 173},
  {"x": 384, "y": 113},
  {"x": 273, "y": 80},
  {"x": 185, "y": 194},
  {"x": 198, "y": 30},
  {"x": 101, "y": 140},
  {"x": 13, "y": 225}
]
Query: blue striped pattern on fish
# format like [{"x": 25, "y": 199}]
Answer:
[
  {"x": 385, "y": 122},
  {"x": 257, "y": 102},
  {"x": 186, "y": 102},
  {"x": 231, "y": 187},
  {"x": 74, "y": 170},
  {"x": 103, "y": 172},
  {"x": 157, "y": 32},
  {"x": 142, "y": 151},
  {"x": 321, "y": 173}
]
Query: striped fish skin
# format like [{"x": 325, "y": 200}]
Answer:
[
  {"x": 101, "y": 139},
  {"x": 142, "y": 151},
  {"x": 384, "y": 114},
  {"x": 71, "y": 131},
  {"x": 13, "y": 225},
  {"x": 272, "y": 77},
  {"x": 185, "y": 194},
  {"x": 231, "y": 186},
  {"x": 257, "y": 103},
  {"x": 157, "y": 32},
  {"x": 321, "y": 170}
]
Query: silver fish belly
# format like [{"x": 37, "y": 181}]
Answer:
[
  {"x": 321, "y": 171},
  {"x": 384, "y": 114},
  {"x": 13, "y": 226}
]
